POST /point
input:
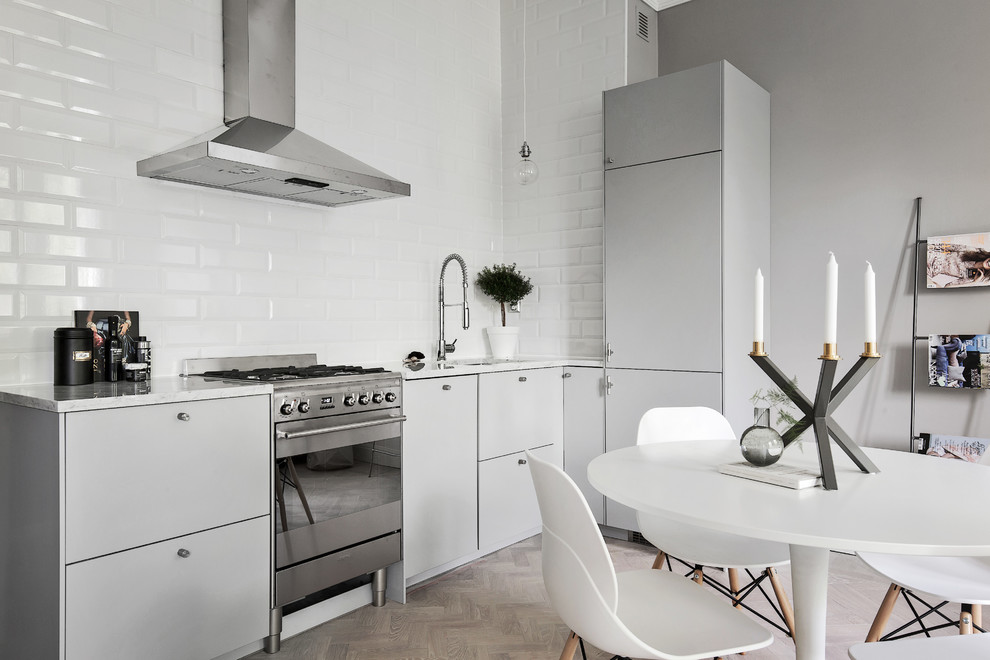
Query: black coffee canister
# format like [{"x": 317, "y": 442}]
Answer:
[{"x": 73, "y": 356}]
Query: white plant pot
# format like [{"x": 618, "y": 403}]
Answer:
[{"x": 504, "y": 341}]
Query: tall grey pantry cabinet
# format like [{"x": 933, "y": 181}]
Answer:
[{"x": 687, "y": 224}]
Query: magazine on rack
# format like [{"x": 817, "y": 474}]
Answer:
[
  {"x": 960, "y": 361},
  {"x": 956, "y": 261},
  {"x": 954, "y": 446}
]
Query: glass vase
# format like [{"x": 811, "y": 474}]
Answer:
[{"x": 760, "y": 444}]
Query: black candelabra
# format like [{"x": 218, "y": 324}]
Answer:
[{"x": 818, "y": 413}]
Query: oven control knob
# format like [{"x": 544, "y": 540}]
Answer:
[
  {"x": 304, "y": 406},
  {"x": 390, "y": 396},
  {"x": 350, "y": 400},
  {"x": 286, "y": 408},
  {"x": 377, "y": 397},
  {"x": 364, "y": 399}
]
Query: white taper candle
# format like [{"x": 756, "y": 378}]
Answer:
[
  {"x": 831, "y": 298},
  {"x": 758, "y": 314},
  {"x": 871, "y": 304}
]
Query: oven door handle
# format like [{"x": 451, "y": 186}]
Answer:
[{"x": 289, "y": 435}]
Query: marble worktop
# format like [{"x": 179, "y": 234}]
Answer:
[
  {"x": 166, "y": 389},
  {"x": 466, "y": 366}
]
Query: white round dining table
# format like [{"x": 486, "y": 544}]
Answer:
[{"x": 915, "y": 505}]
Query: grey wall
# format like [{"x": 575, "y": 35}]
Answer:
[{"x": 873, "y": 103}]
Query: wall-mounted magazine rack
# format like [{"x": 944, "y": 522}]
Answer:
[{"x": 954, "y": 361}]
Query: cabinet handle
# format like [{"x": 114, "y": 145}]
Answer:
[
  {"x": 522, "y": 461},
  {"x": 182, "y": 417},
  {"x": 567, "y": 374},
  {"x": 183, "y": 553},
  {"x": 611, "y": 160},
  {"x": 522, "y": 379},
  {"x": 446, "y": 388}
]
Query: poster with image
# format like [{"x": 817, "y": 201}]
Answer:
[
  {"x": 99, "y": 322},
  {"x": 958, "y": 261},
  {"x": 959, "y": 361}
]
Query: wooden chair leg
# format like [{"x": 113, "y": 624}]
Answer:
[
  {"x": 883, "y": 614},
  {"x": 661, "y": 557},
  {"x": 570, "y": 647},
  {"x": 734, "y": 585},
  {"x": 782, "y": 599},
  {"x": 698, "y": 576},
  {"x": 966, "y": 620},
  {"x": 977, "y": 616}
]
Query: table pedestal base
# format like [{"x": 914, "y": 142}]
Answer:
[{"x": 809, "y": 580}]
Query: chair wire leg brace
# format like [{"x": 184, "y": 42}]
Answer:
[
  {"x": 918, "y": 618},
  {"x": 737, "y": 598}
]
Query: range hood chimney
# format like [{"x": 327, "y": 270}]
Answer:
[{"x": 258, "y": 150}]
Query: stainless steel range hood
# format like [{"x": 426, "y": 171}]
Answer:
[{"x": 258, "y": 150}]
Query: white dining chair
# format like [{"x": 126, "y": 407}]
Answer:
[
  {"x": 962, "y": 580},
  {"x": 955, "y": 647},
  {"x": 644, "y": 613},
  {"x": 698, "y": 547}
]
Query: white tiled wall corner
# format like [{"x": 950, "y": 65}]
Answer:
[
  {"x": 553, "y": 228},
  {"x": 88, "y": 87}
]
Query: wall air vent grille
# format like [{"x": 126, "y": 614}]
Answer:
[{"x": 644, "y": 27}]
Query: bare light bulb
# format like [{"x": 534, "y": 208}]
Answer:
[{"x": 526, "y": 171}]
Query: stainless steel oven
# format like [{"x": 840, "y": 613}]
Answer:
[{"x": 337, "y": 473}]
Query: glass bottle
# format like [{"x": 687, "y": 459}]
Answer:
[{"x": 113, "y": 352}]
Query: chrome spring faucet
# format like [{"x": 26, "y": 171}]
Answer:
[{"x": 443, "y": 347}]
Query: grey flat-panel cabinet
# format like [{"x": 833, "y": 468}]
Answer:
[
  {"x": 687, "y": 223},
  {"x": 633, "y": 392},
  {"x": 663, "y": 284},
  {"x": 668, "y": 117}
]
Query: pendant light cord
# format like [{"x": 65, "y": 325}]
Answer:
[{"x": 524, "y": 69}]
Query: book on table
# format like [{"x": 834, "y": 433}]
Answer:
[{"x": 788, "y": 476}]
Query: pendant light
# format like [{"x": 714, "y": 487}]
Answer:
[{"x": 526, "y": 171}]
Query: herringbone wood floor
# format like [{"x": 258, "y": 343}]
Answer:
[{"x": 497, "y": 609}]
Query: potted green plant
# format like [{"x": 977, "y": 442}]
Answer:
[{"x": 505, "y": 285}]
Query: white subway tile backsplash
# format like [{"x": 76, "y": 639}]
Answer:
[
  {"x": 118, "y": 278},
  {"x": 32, "y": 86},
  {"x": 9, "y": 273},
  {"x": 109, "y": 103},
  {"x": 45, "y": 308},
  {"x": 150, "y": 251},
  {"x": 211, "y": 282},
  {"x": 116, "y": 221},
  {"x": 137, "y": 23},
  {"x": 234, "y": 259},
  {"x": 301, "y": 309},
  {"x": 160, "y": 89},
  {"x": 267, "y": 284},
  {"x": 30, "y": 22},
  {"x": 43, "y": 213},
  {"x": 289, "y": 262},
  {"x": 101, "y": 42},
  {"x": 65, "y": 124},
  {"x": 93, "y": 12},
  {"x": 198, "y": 230},
  {"x": 56, "y": 61},
  {"x": 414, "y": 89},
  {"x": 34, "y": 244},
  {"x": 236, "y": 308},
  {"x": 42, "y": 275}
]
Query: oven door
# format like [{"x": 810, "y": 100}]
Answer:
[{"x": 338, "y": 482}]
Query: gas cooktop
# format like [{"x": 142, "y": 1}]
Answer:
[
  {"x": 293, "y": 373},
  {"x": 280, "y": 369}
]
